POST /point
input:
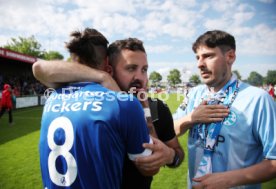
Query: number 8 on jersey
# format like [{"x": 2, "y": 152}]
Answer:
[{"x": 61, "y": 150}]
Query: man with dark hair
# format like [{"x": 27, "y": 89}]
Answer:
[
  {"x": 86, "y": 129},
  {"x": 128, "y": 65},
  {"x": 88, "y": 47},
  {"x": 238, "y": 151},
  {"x": 128, "y": 60}
]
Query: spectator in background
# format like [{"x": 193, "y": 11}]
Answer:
[
  {"x": 6, "y": 102},
  {"x": 16, "y": 91},
  {"x": 271, "y": 91},
  {"x": 23, "y": 85}
]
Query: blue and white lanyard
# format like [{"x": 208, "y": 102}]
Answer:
[
  {"x": 208, "y": 133},
  {"x": 211, "y": 131}
]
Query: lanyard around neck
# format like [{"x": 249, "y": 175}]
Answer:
[{"x": 209, "y": 132}]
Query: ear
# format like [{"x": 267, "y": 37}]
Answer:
[
  {"x": 231, "y": 56},
  {"x": 107, "y": 67}
]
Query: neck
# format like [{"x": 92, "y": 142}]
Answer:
[{"x": 219, "y": 85}]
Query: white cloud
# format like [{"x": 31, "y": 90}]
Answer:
[
  {"x": 108, "y": 6},
  {"x": 4, "y": 39},
  {"x": 259, "y": 40},
  {"x": 224, "y": 5},
  {"x": 211, "y": 24},
  {"x": 167, "y": 27},
  {"x": 158, "y": 49},
  {"x": 118, "y": 24},
  {"x": 229, "y": 19},
  {"x": 241, "y": 17}
]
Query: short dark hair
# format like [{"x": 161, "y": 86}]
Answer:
[
  {"x": 90, "y": 46},
  {"x": 117, "y": 46},
  {"x": 216, "y": 38}
]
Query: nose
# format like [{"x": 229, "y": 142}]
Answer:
[
  {"x": 139, "y": 75},
  {"x": 200, "y": 63}
]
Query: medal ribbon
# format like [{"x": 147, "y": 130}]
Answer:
[{"x": 209, "y": 132}]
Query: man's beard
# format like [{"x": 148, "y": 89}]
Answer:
[{"x": 137, "y": 85}]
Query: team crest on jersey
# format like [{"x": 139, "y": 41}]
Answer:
[{"x": 231, "y": 119}]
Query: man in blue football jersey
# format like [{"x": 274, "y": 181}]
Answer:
[
  {"x": 128, "y": 65},
  {"x": 240, "y": 151},
  {"x": 86, "y": 129}
]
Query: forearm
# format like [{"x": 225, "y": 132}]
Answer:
[
  {"x": 176, "y": 149},
  {"x": 258, "y": 173},
  {"x": 54, "y": 73},
  {"x": 201, "y": 114},
  {"x": 176, "y": 158},
  {"x": 183, "y": 124},
  {"x": 180, "y": 153},
  {"x": 63, "y": 72}
]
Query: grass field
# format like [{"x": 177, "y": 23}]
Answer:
[{"x": 19, "y": 159}]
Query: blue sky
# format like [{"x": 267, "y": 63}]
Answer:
[{"x": 168, "y": 28}]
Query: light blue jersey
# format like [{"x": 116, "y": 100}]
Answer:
[
  {"x": 86, "y": 132},
  {"x": 248, "y": 134}
]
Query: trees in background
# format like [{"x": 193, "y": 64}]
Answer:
[
  {"x": 271, "y": 77},
  {"x": 195, "y": 79},
  {"x": 52, "y": 55},
  {"x": 255, "y": 79},
  {"x": 174, "y": 77},
  {"x": 30, "y": 46},
  {"x": 155, "y": 78}
]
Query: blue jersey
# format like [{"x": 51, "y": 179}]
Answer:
[
  {"x": 247, "y": 136},
  {"x": 85, "y": 133}
]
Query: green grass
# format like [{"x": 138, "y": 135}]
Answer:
[
  {"x": 19, "y": 158},
  {"x": 175, "y": 178}
]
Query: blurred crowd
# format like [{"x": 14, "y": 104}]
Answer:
[{"x": 22, "y": 85}]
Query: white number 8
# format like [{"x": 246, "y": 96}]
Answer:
[{"x": 61, "y": 150}]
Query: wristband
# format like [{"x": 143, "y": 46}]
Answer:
[
  {"x": 176, "y": 161},
  {"x": 147, "y": 112}
]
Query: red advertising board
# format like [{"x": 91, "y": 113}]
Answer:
[{"x": 16, "y": 56}]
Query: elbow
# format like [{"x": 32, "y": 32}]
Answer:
[
  {"x": 37, "y": 70},
  {"x": 177, "y": 129},
  {"x": 41, "y": 74}
]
